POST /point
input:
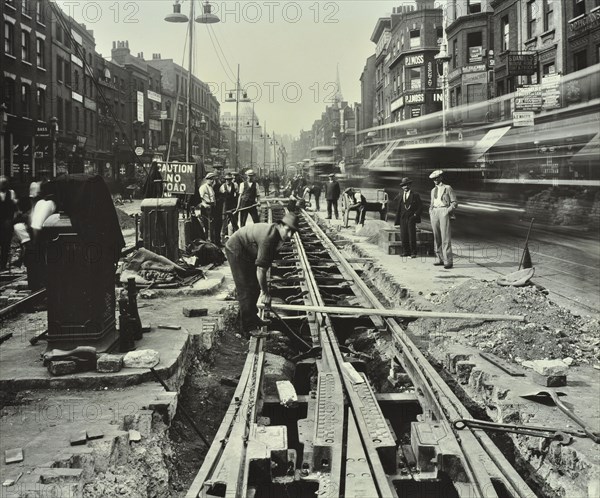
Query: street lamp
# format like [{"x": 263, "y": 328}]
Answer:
[
  {"x": 264, "y": 136},
  {"x": 53, "y": 134},
  {"x": 237, "y": 100},
  {"x": 274, "y": 143},
  {"x": 252, "y": 137},
  {"x": 207, "y": 17},
  {"x": 202, "y": 131}
]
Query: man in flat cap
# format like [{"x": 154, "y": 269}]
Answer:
[
  {"x": 408, "y": 215},
  {"x": 229, "y": 195},
  {"x": 248, "y": 198},
  {"x": 250, "y": 252},
  {"x": 207, "y": 207},
  {"x": 443, "y": 203},
  {"x": 332, "y": 195}
]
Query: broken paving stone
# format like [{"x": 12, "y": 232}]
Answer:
[
  {"x": 144, "y": 358},
  {"x": 62, "y": 367},
  {"x": 194, "y": 312},
  {"x": 14, "y": 455},
  {"x": 228, "y": 381},
  {"x": 94, "y": 434},
  {"x": 550, "y": 367},
  {"x": 109, "y": 363},
  {"x": 550, "y": 380},
  {"x": 134, "y": 436},
  {"x": 79, "y": 438}
]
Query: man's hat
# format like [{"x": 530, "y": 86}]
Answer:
[
  {"x": 228, "y": 176},
  {"x": 250, "y": 172},
  {"x": 437, "y": 173},
  {"x": 331, "y": 175},
  {"x": 405, "y": 181},
  {"x": 348, "y": 190},
  {"x": 210, "y": 176},
  {"x": 291, "y": 220}
]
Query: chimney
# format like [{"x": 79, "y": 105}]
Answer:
[{"x": 114, "y": 45}]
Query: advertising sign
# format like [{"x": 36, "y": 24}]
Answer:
[
  {"x": 551, "y": 91},
  {"x": 522, "y": 64},
  {"x": 178, "y": 178},
  {"x": 523, "y": 118},
  {"x": 140, "y": 106},
  {"x": 528, "y": 98}
]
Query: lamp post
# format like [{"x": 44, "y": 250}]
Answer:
[
  {"x": 53, "y": 134},
  {"x": 207, "y": 17},
  {"x": 252, "y": 138},
  {"x": 202, "y": 131},
  {"x": 237, "y": 100},
  {"x": 264, "y": 136},
  {"x": 443, "y": 58},
  {"x": 274, "y": 143}
]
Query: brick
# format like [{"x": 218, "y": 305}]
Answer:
[
  {"x": 144, "y": 358},
  {"x": 550, "y": 380},
  {"x": 94, "y": 433},
  {"x": 62, "y": 367},
  {"x": 51, "y": 476},
  {"x": 14, "y": 455},
  {"x": 194, "y": 312},
  {"x": 109, "y": 363},
  {"x": 78, "y": 438},
  {"x": 134, "y": 436},
  {"x": 550, "y": 367}
]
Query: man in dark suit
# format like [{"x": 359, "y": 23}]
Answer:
[
  {"x": 409, "y": 212},
  {"x": 332, "y": 195}
]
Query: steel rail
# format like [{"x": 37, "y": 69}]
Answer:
[
  {"x": 331, "y": 351},
  {"x": 479, "y": 452}
]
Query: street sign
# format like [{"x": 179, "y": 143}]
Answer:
[
  {"x": 523, "y": 118},
  {"x": 179, "y": 178},
  {"x": 139, "y": 151}
]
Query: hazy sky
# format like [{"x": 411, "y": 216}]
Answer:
[{"x": 287, "y": 50}]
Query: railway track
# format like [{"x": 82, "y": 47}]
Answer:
[{"x": 342, "y": 438}]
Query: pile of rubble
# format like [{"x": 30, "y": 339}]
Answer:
[{"x": 549, "y": 331}]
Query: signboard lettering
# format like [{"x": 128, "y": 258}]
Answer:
[
  {"x": 414, "y": 60},
  {"x": 140, "y": 106},
  {"x": 415, "y": 98},
  {"x": 177, "y": 177},
  {"x": 522, "y": 64},
  {"x": 523, "y": 118},
  {"x": 581, "y": 25},
  {"x": 475, "y": 68},
  {"x": 429, "y": 74}
]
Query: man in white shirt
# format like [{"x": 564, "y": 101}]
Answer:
[
  {"x": 443, "y": 204},
  {"x": 207, "y": 207}
]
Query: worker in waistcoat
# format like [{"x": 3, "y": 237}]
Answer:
[
  {"x": 441, "y": 209},
  {"x": 248, "y": 199},
  {"x": 229, "y": 193}
]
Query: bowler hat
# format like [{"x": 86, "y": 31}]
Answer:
[
  {"x": 250, "y": 172},
  {"x": 290, "y": 220},
  {"x": 405, "y": 181},
  {"x": 437, "y": 173}
]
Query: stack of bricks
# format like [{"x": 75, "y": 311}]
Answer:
[{"x": 389, "y": 241}]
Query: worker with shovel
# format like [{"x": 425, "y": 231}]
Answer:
[{"x": 250, "y": 252}]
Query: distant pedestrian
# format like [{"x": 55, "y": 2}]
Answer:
[
  {"x": 248, "y": 199},
  {"x": 443, "y": 204},
  {"x": 408, "y": 215},
  {"x": 266, "y": 184},
  {"x": 8, "y": 209},
  {"x": 332, "y": 195},
  {"x": 355, "y": 201},
  {"x": 250, "y": 252}
]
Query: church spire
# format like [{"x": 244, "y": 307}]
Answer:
[{"x": 338, "y": 94}]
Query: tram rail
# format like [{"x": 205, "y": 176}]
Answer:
[{"x": 340, "y": 442}]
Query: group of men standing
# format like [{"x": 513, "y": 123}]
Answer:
[{"x": 223, "y": 199}]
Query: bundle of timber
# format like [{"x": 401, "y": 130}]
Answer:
[{"x": 550, "y": 331}]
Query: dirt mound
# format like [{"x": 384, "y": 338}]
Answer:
[
  {"x": 549, "y": 331},
  {"x": 125, "y": 221}
]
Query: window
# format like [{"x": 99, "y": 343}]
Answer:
[
  {"x": 505, "y": 44},
  {"x": 473, "y": 6},
  {"x": 458, "y": 95},
  {"x": 9, "y": 38},
  {"x": 39, "y": 12},
  {"x": 548, "y": 69},
  {"x": 454, "y": 53},
  {"x": 76, "y": 81},
  {"x": 548, "y": 14},
  {"x": 9, "y": 95},
  {"x": 59, "y": 69},
  {"x": 439, "y": 34},
  {"x": 475, "y": 93},
  {"x": 578, "y": 7},
  {"x": 68, "y": 116},
  {"x": 76, "y": 118},
  {"x": 59, "y": 33},
  {"x": 25, "y": 7},
  {"x": 580, "y": 60},
  {"x": 25, "y": 47},
  {"x": 67, "y": 66},
  {"x": 40, "y": 100},
  {"x": 39, "y": 52},
  {"x": 60, "y": 115},
  {"x": 531, "y": 20},
  {"x": 415, "y": 38},
  {"x": 474, "y": 47},
  {"x": 10, "y": 3},
  {"x": 91, "y": 123},
  {"x": 414, "y": 74},
  {"x": 25, "y": 100}
]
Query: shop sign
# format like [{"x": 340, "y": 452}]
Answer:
[
  {"x": 154, "y": 96},
  {"x": 429, "y": 74},
  {"x": 415, "y": 112},
  {"x": 581, "y": 25},
  {"x": 415, "y": 98},
  {"x": 177, "y": 177},
  {"x": 397, "y": 104},
  {"x": 522, "y": 64},
  {"x": 474, "y": 78},
  {"x": 475, "y": 68},
  {"x": 475, "y": 54},
  {"x": 414, "y": 60},
  {"x": 551, "y": 92},
  {"x": 42, "y": 130},
  {"x": 523, "y": 118},
  {"x": 77, "y": 97},
  {"x": 90, "y": 104},
  {"x": 438, "y": 97},
  {"x": 528, "y": 98},
  {"x": 140, "y": 106}
]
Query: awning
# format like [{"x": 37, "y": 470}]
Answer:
[
  {"x": 590, "y": 151},
  {"x": 488, "y": 141}
]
